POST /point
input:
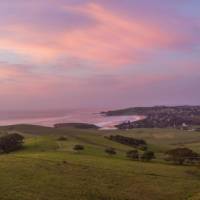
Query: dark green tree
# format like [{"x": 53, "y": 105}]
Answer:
[
  {"x": 110, "y": 151},
  {"x": 147, "y": 156},
  {"x": 133, "y": 154},
  {"x": 11, "y": 142},
  {"x": 78, "y": 147},
  {"x": 182, "y": 155}
]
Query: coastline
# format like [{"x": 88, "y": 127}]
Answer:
[{"x": 96, "y": 118}]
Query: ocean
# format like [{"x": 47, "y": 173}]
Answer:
[{"x": 49, "y": 118}]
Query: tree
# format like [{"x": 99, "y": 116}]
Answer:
[
  {"x": 133, "y": 154},
  {"x": 11, "y": 142},
  {"x": 110, "y": 151},
  {"x": 182, "y": 155},
  {"x": 148, "y": 155},
  {"x": 78, "y": 147}
]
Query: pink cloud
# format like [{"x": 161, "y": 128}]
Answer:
[
  {"x": 113, "y": 40},
  {"x": 114, "y": 56}
]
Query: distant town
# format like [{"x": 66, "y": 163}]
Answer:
[{"x": 184, "y": 117}]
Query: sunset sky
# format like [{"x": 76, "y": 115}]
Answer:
[{"x": 100, "y": 53}]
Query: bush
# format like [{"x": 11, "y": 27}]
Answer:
[
  {"x": 11, "y": 142},
  {"x": 78, "y": 147},
  {"x": 148, "y": 155},
  {"x": 110, "y": 151},
  {"x": 182, "y": 155},
  {"x": 62, "y": 138},
  {"x": 133, "y": 154}
]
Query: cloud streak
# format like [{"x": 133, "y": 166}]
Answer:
[
  {"x": 67, "y": 51},
  {"x": 113, "y": 40}
]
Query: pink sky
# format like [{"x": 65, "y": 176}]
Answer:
[{"x": 82, "y": 53}]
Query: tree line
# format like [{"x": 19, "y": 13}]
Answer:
[
  {"x": 136, "y": 143},
  {"x": 14, "y": 141},
  {"x": 178, "y": 156}
]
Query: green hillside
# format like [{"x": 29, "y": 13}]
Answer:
[{"x": 49, "y": 169}]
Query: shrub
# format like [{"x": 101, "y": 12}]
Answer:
[
  {"x": 110, "y": 151},
  {"x": 182, "y": 155},
  {"x": 78, "y": 147},
  {"x": 133, "y": 154},
  {"x": 11, "y": 142},
  {"x": 147, "y": 156},
  {"x": 62, "y": 138}
]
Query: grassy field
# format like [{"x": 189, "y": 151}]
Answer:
[{"x": 48, "y": 169}]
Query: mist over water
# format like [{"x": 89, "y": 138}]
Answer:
[{"x": 49, "y": 118}]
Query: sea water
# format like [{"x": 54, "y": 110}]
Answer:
[{"x": 49, "y": 118}]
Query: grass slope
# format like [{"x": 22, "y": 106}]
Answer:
[{"x": 48, "y": 169}]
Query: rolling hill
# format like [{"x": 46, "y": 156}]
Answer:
[{"x": 49, "y": 169}]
